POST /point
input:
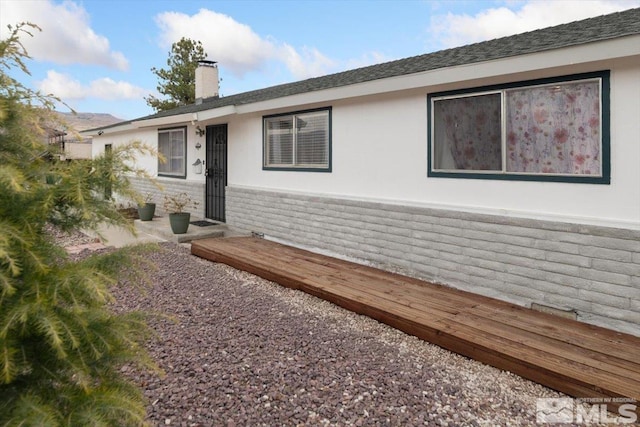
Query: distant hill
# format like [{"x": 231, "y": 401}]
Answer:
[{"x": 83, "y": 121}]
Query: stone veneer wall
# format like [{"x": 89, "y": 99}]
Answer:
[
  {"x": 592, "y": 270},
  {"x": 195, "y": 190}
]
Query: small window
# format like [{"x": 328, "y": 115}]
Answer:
[
  {"x": 298, "y": 141},
  {"x": 172, "y": 144},
  {"x": 553, "y": 130}
]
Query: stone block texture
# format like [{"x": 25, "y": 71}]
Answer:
[
  {"x": 592, "y": 270},
  {"x": 195, "y": 190}
]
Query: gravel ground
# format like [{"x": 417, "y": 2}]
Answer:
[
  {"x": 69, "y": 239},
  {"x": 242, "y": 351},
  {"x": 237, "y": 350}
]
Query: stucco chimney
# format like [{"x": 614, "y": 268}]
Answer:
[{"x": 206, "y": 80}]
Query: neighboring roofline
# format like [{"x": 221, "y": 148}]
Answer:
[{"x": 601, "y": 28}]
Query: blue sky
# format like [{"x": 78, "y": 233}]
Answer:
[{"x": 97, "y": 55}]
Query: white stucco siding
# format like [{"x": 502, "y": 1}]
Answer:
[
  {"x": 379, "y": 141},
  {"x": 625, "y": 141},
  {"x": 149, "y": 136},
  {"x": 146, "y": 136},
  {"x": 361, "y": 149},
  {"x": 379, "y": 152}
]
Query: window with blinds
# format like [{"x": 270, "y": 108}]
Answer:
[
  {"x": 300, "y": 141},
  {"x": 172, "y": 144}
]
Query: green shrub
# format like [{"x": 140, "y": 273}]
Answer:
[{"x": 61, "y": 346}]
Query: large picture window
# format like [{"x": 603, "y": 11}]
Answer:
[
  {"x": 555, "y": 130},
  {"x": 172, "y": 144},
  {"x": 298, "y": 141}
]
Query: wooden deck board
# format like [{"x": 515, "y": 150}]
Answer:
[{"x": 579, "y": 359}]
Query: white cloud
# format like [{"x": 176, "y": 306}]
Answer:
[
  {"x": 66, "y": 37},
  {"x": 66, "y": 88},
  {"x": 456, "y": 30},
  {"x": 236, "y": 46},
  {"x": 310, "y": 63},
  {"x": 225, "y": 40}
]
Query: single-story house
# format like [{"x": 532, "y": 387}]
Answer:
[{"x": 509, "y": 168}]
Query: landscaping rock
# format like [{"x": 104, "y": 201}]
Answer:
[{"x": 239, "y": 350}]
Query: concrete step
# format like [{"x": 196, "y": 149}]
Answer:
[{"x": 160, "y": 227}]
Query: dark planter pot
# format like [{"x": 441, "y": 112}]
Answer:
[
  {"x": 146, "y": 211},
  {"x": 179, "y": 222}
]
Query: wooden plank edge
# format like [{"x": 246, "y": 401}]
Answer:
[{"x": 467, "y": 348}]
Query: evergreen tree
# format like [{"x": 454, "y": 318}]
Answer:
[
  {"x": 61, "y": 346},
  {"x": 178, "y": 80}
]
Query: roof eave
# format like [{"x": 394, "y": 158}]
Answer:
[{"x": 584, "y": 57}]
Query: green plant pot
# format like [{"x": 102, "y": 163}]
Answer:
[
  {"x": 146, "y": 211},
  {"x": 179, "y": 222}
]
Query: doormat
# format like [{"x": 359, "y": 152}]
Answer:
[{"x": 203, "y": 223}]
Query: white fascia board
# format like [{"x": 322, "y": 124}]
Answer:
[
  {"x": 216, "y": 113},
  {"x": 192, "y": 118},
  {"x": 166, "y": 121},
  {"x": 597, "y": 53},
  {"x": 110, "y": 130}
]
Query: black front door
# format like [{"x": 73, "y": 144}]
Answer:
[{"x": 216, "y": 167}]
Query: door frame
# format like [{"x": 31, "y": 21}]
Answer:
[{"x": 216, "y": 172}]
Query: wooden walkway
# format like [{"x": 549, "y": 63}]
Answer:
[{"x": 578, "y": 359}]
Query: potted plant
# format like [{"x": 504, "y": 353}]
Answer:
[
  {"x": 178, "y": 219},
  {"x": 147, "y": 209}
]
